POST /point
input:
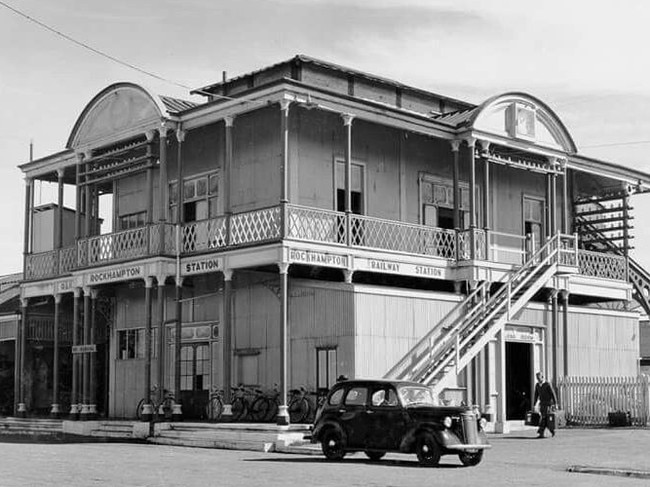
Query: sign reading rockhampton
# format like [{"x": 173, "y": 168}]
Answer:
[
  {"x": 316, "y": 258},
  {"x": 117, "y": 274}
]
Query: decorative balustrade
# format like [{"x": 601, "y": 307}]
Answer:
[
  {"x": 312, "y": 225},
  {"x": 596, "y": 264},
  {"x": 376, "y": 233}
]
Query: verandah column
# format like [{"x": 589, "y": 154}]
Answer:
[
  {"x": 564, "y": 294},
  {"x": 501, "y": 424},
  {"x": 56, "y": 411},
  {"x": 59, "y": 211},
  {"x": 347, "y": 123},
  {"x": 227, "y": 172},
  {"x": 455, "y": 149},
  {"x": 471, "y": 142},
  {"x": 177, "y": 408},
  {"x": 283, "y": 410},
  {"x": 163, "y": 184},
  {"x": 485, "y": 156},
  {"x": 85, "y": 359},
  {"x": 74, "y": 396},
  {"x": 161, "y": 337},
  {"x": 92, "y": 356},
  {"x": 147, "y": 409},
  {"x": 227, "y": 344},
  {"x": 21, "y": 410},
  {"x": 150, "y": 135}
]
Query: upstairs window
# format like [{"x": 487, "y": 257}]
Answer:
[
  {"x": 200, "y": 197},
  {"x": 357, "y": 185},
  {"x": 437, "y": 202}
]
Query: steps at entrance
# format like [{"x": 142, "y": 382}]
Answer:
[
  {"x": 113, "y": 429},
  {"x": 229, "y": 436},
  {"x": 30, "y": 426}
]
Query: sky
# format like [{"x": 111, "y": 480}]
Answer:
[{"x": 585, "y": 59}]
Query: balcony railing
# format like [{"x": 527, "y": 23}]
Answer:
[{"x": 311, "y": 225}]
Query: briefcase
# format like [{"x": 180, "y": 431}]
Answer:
[
  {"x": 551, "y": 421},
  {"x": 532, "y": 418}
]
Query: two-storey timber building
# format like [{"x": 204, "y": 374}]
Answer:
[{"x": 309, "y": 221}]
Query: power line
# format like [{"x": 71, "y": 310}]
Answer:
[
  {"x": 613, "y": 144},
  {"x": 113, "y": 58}
]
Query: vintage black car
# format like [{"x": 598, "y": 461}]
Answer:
[{"x": 379, "y": 416}]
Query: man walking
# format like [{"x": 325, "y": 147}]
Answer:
[{"x": 547, "y": 400}]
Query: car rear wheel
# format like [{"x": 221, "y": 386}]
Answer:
[
  {"x": 470, "y": 459},
  {"x": 375, "y": 455},
  {"x": 333, "y": 444},
  {"x": 427, "y": 450}
]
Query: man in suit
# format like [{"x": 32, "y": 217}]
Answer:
[{"x": 545, "y": 394}]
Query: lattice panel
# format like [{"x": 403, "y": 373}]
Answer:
[
  {"x": 118, "y": 246},
  {"x": 316, "y": 225},
  {"x": 597, "y": 264},
  {"x": 67, "y": 259},
  {"x": 41, "y": 265},
  {"x": 255, "y": 226},
  {"x": 204, "y": 235},
  {"x": 402, "y": 237}
]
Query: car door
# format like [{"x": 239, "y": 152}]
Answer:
[
  {"x": 386, "y": 419},
  {"x": 353, "y": 415}
]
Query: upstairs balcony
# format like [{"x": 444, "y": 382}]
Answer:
[{"x": 304, "y": 224}]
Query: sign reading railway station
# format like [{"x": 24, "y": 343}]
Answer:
[
  {"x": 318, "y": 258},
  {"x": 117, "y": 274},
  {"x": 84, "y": 348},
  {"x": 201, "y": 265},
  {"x": 396, "y": 267}
]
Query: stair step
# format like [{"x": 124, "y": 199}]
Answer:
[{"x": 252, "y": 445}]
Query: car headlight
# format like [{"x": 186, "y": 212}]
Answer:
[
  {"x": 482, "y": 423},
  {"x": 447, "y": 422}
]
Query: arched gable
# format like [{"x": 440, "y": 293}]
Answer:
[
  {"x": 119, "y": 111},
  {"x": 521, "y": 116}
]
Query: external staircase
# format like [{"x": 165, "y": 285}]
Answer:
[{"x": 453, "y": 342}]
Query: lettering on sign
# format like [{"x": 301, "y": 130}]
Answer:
[
  {"x": 116, "y": 274},
  {"x": 522, "y": 334},
  {"x": 383, "y": 265},
  {"x": 64, "y": 286},
  {"x": 84, "y": 348},
  {"x": 309, "y": 257},
  {"x": 201, "y": 266},
  {"x": 425, "y": 270}
]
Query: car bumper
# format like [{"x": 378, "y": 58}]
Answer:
[{"x": 480, "y": 446}]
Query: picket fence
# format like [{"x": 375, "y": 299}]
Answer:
[{"x": 587, "y": 401}]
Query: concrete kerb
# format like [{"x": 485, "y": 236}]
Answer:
[{"x": 618, "y": 472}]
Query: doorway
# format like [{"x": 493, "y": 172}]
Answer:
[
  {"x": 519, "y": 375},
  {"x": 195, "y": 379}
]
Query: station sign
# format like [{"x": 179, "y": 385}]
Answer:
[
  {"x": 396, "y": 267},
  {"x": 123, "y": 273},
  {"x": 327, "y": 259},
  {"x": 84, "y": 348},
  {"x": 201, "y": 265}
]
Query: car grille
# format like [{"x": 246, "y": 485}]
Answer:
[{"x": 470, "y": 429}]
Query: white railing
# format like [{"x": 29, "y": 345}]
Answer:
[
  {"x": 507, "y": 248},
  {"x": 597, "y": 264},
  {"x": 590, "y": 400},
  {"x": 256, "y": 226},
  {"x": 316, "y": 225},
  {"x": 376, "y": 233},
  {"x": 204, "y": 235}
]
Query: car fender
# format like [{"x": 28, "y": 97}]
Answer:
[
  {"x": 325, "y": 425},
  {"x": 407, "y": 444}
]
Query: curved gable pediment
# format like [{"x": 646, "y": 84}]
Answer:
[
  {"x": 117, "y": 112},
  {"x": 523, "y": 117}
]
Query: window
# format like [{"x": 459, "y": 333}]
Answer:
[
  {"x": 200, "y": 197},
  {"x": 534, "y": 220},
  {"x": 325, "y": 368},
  {"x": 356, "y": 396},
  {"x": 437, "y": 202},
  {"x": 131, "y": 343},
  {"x": 247, "y": 367},
  {"x": 357, "y": 183},
  {"x": 384, "y": 397},
  {"x": 132, "y": 220},
  {"x": 335, "y": 398}
]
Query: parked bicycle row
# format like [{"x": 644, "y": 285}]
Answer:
[{"x": 249, "y": 404}]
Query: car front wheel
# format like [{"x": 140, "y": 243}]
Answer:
[
  {"x": 470, "y": 459},
  {"x": 333, "y": 444},
  {"x": 427, "y": 450},
  {"x": 375, "y": 455}
]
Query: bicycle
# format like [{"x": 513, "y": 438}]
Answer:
[
  {"x": 241, "y": 402},
  {"x": 214, "y": 406},
  {"x": 299, "y": 407},
  {"x": 161, "y": 410}
]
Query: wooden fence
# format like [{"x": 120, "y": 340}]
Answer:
[{"x": 588, "y": 400}]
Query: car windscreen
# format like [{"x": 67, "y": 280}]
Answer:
[{"x": 416, "y": 395}]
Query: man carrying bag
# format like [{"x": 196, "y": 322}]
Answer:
[{"x": 545, "y": 394}]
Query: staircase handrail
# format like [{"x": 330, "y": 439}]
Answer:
[
  {"x": 455, "y": 339},
  {"x": 455, "y": 314}
]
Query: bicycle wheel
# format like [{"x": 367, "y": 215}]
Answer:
[
  {"x": 138, "y": 409},
  {"x": 166, "y": 409},
  {"x": 260, "y": 409},
  {"x": 298, "y": 410},
  {"x": 238, "y": 409},
  {"x": 214, "y": 409}
]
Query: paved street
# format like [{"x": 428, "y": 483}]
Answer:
[{"x": 515, "y": 459}]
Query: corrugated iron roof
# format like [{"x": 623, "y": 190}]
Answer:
[
  {"x": 454, "y": 119},
  {"x": 176, "y": 105}
]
